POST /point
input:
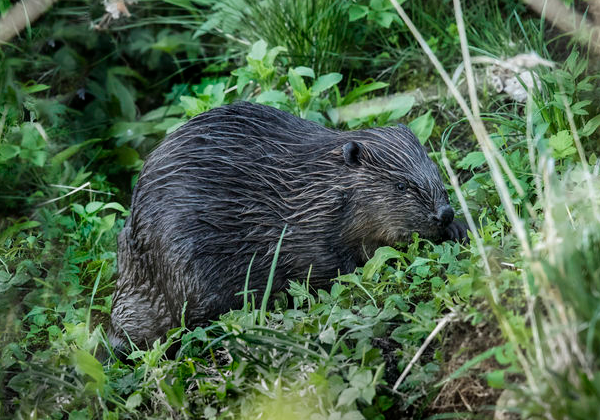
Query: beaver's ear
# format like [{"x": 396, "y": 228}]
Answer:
[{"x": 352, "y": 153}]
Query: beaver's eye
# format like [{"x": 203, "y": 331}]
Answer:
[{"x": 401, "y": 186}]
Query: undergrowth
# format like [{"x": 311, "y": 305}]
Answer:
[{"x": 79, "y": 113}]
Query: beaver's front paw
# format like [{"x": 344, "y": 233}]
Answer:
[{"x": 457, "y": 231}]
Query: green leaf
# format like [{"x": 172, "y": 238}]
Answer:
[
  {"x": 495, "y": 379},
  {"x": 8, "y": 151},
  {"x": 590, "y": 127},
  {"x": 562, "y": 144},
  {"x": 128, "y": 131},
  {"x": 258, "y": 51},
  {"x": 327, "y": 336},
  {"x": 193, "y": 106},
  {"x": 133, "y": 401},
  {"x": 361, "y": 90},
  {"x": 400, "y": 106},
  {"x": 297, "y": 83},
  {"x": 379, "y": 259},
  {"x": 60, "y": 157},
  {"x": 353, "y": 415},
  {"x": 272, "y": 97},
  {"x": 127, "y": 156},
  {"x": 361, "y": 379},
  {"x": 93, "y": 207},
  {"x": 106, "y": 223},
  {"x": 578, "y": 108},
  {"x": 78, "y": 208},
  {"x": 114, "y": 206},
  {"x": 422, "y": 126},
  {"x": 357, "y": 11},
  {"x": 31, "y": 137},
  {"x": 244, "y": 76},
  {"x": 325, "y": 82},
  {"x": 272, "y": 54},
  {"x": 87, "y": 364},
  {"x": 472, "y": 161},
  {"x": 117, "y": 89},
  {"x": 34, "y": 88},
  {"x": 367, "y": 394},
  {"x": 127, "y": 71},
  {"x": 305, "y": 71},
  {"x": 384, "y": 19},
  {"x": 38, "y": 157},
  {"x": 10, "y": 231},
  {"x": 347, "y": 397},
  {"x": 175, "y": 393}
]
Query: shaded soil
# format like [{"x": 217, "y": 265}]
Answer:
[{"x": 468, "y": 396}]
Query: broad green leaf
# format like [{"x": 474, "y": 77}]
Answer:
[
  {"x": 368, "y": 393},
  {"x": 106, "y": 223},
  {"x": 78, "y": 208},
  {"x": 400, "y": 106},
  {"x": 29, "y": 89},
  {"x": 126, "y": 156},
  {"x": 31, "y": 137},
  {"x": 93, "y": 206},
  {"x": 244, "y": 76},
  {"x": 272, "y": 54},
  {"x": 325, "y": 82},
  {"x": 127, "y": 71},
  {"x": 258, "y": 51},
  {"x": 357, "y": 11},
  {"x": 272, "y": 96},
  {"x": 297, "y": 83},
  {"x": 578, "y": 108},
  {"x": 362, "y": 378},
  {"x": 562, "y": 144},
  {"x": 347, "y": 397},
  {"x": 193, "y": 106},
  {"x": 305, "y": 71},
  {"x": 8, "y": 151},
  {"x": 16, "y": 228},
  {"x": 115, "y": 206},
  {"x": 422, "y": 126},
  {"x": 472, "y": 161},
  {"x": 590, "y": 127},
  {"x": 38, "y": 157},
  {"x": 495, "y": 379},
  {"x": 352, "y": 415},
  {"x": 381, "y": 256},
  {"x": 175, "y": 394},
  {"x": 60, "y": 157},
  {"x": 128, "y": 131},
  {"x": 361, "y": 90},
  {"x": 384, "y": 19},
  {"x": 327, "y": 336},
  {"x": 117, "y": 89},
  {"x": 87, "y": 364},
  {"x": 133, "y": 401}
]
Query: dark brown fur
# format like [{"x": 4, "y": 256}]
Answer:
[{"x": 224, "y": 185}]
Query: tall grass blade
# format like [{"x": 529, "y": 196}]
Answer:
[{"x": 265, "y": 299}]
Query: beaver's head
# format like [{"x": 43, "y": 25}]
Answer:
[{"x": 394, "y": 189}]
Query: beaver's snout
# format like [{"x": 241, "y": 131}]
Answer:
[{"x": 444, "y": 216}]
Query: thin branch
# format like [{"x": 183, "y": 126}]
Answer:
[{"x": 443, "y": 322}]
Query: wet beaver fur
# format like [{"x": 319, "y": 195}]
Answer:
[{"x": 223, "y": 186}]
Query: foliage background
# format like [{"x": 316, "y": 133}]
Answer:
[{"x": 85, "y": 97}]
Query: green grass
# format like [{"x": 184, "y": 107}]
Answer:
[{"x": 79, "y": 115}]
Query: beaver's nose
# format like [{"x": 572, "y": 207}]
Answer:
[{"x": 444, "y": 215}]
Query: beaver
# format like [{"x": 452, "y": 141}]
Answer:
[{"x": 222, "y": 187}]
